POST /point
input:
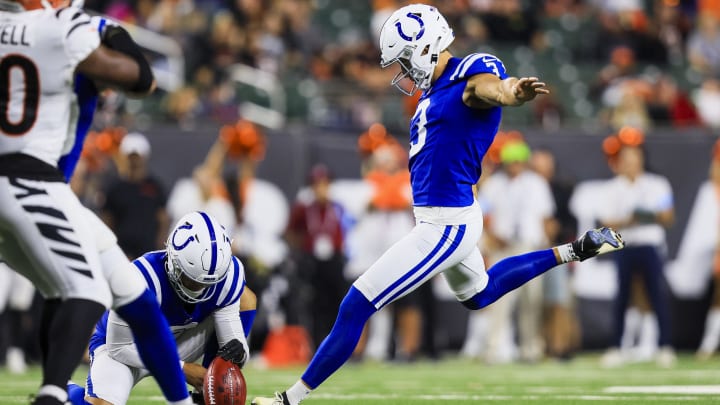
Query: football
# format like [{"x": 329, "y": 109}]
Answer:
[{"x": 224, "y": 384}]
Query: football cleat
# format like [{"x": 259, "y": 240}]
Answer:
[
  {"x": 280, "y": 399},
  {"x": 596, "y": 242}
]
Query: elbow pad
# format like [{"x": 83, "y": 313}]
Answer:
[{"x": 117, "y": 38}]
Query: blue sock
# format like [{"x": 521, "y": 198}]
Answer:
[
  {"x": 247, "y": 318},
  {"x": 510, "y": 273},
  {"x": 338, "y": 346},
  {"x": 155, "y": 344},
  {"x": 76, "y": 394}
]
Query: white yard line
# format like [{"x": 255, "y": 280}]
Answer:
[{"x": 665, "y": 389}]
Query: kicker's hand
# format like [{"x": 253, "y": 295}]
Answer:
[
  {"x": 527, "y": 88},
  {"x": 234, "y": 351}
]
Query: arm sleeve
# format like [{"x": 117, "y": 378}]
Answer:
[
  {"x": 228, "y": 325},
  {"x": 120, "y": 344}
]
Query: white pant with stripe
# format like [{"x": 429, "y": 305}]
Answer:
[
  {"x": 113, "y": 380},
  {"x": 444, "y": 241},
  {"x": 63, "y": 248}
]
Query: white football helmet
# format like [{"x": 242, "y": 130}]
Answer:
[
  {"x": 199, "y": 253},
  {"x": 414, "y": 36}
]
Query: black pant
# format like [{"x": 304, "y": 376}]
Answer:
[
  {"x": 328, "y": 289},
  {"x": 648, "y": 261}
]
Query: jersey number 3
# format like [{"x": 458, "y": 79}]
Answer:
[
  {"x": 420, "y": 120},
  {"x": 31, "y": 98}
]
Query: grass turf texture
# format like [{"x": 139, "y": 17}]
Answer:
[{"x": 580, "y": 381}]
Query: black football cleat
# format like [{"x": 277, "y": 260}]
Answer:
[{"x": 596, "y": 242}]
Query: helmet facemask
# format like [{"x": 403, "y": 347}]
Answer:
[
  {"x": 177, "y": 276},
  {"x": 417, "y": 76}
]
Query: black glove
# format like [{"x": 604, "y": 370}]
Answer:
[
  {"x": 642, "y": 216},
  {"x": 234, "y": 351},
  {"x": 197, "y": 398}
]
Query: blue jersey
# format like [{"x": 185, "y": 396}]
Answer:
[
  {"x": 177, "y": 312},
  {"x": 448, "y": 139}
]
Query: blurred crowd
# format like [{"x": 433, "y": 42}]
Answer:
[
  {"x": 638, "y": 62},
  {"x": 650, "y": 63},
  {"x": 301, "y": 255}
]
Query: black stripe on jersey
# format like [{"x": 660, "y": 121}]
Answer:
[
  {"x": 53, "y": 232},
  {"x": 30, "y": 191},
  {"x": 76, "y": 15},
  {"x": 70, "y": 255},
  {"x": 49, "y": 211},
  {"x": 86, "y": 273},
  {"x": 57, "y": 13},
  {"x": 76, "y": 26}
]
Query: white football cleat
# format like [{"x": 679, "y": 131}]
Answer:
[{"x": 279, "y": 399}]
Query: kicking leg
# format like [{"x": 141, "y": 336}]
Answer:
[
  {"x": 428, "y": 250},
  {"x": 512, "y": 272}
]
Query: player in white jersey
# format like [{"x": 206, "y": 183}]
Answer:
[
  {"x": 455, "y": 122},
  {"x": 200, "y": 287},
  {"x": 45, "y": 233}
]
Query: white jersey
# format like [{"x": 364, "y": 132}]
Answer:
[{"x": 39, "y": 51}]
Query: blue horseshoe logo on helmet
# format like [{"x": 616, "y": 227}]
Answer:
[
  {"x": 186, "y": 225},
  {"x": 419, "y": 35}
]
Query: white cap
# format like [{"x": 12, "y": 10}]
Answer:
[{"x": 135, "y": 142}]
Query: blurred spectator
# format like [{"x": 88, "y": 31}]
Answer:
[
  {"x": 549, "y": 112},
  {"x": 673, "y": 27},
  {"x": 670, "y": 105},
  {"x": 561, "y": 327},
  {"x": 260, "y": 207},
  {"x": 316, "y": 235},
  {"x": 631, "y": 109},
  {"x": 621, "y": 65},
  {"x": 16, "y": 298},
  {"x": 704, "y": 45},
  {"x": 707, "y": 100},
  {"x": 625, "y": 23},
  {"x": 388, "y": 217},
  {"x": 709, "y": 197},
  {"x": 204, "y": 191},
  {"x": 520, "y": 204},
  {"x": 640, "y": 207},
  {"x": 507, "y": 21},
  {"x": 135, "y": 201}
]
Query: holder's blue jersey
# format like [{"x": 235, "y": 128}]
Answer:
[
  {"x": 177, "y": 312},
  {"x": 448, "y": 139}
]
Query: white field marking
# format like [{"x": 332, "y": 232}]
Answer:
[
  {"x": 14, "y": 399},
  {"x": 435, "y": 398},
  {"x": 665, "y": 389}
]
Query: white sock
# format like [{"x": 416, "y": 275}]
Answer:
[
  {"x": 297, "y": 392},
  {"x": 631, "y": 331},
  {"x": 711, "y": 336},
  {"x": 566, "y": 252},
  {"x": 53, "y": 391},
  {"x": 476, "y": 334},
  {"x": 648, "y": 340}
]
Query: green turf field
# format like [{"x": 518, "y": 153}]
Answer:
[{"x": 458, "y": 381}]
